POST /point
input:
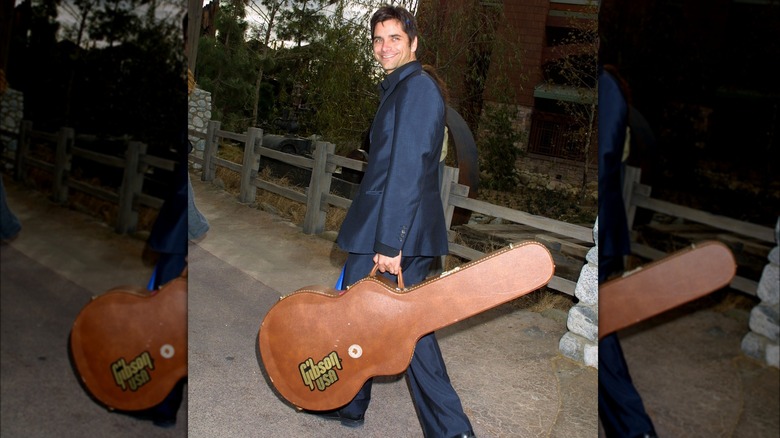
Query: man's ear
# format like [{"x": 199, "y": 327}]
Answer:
[{"x": 414, "y": 45}]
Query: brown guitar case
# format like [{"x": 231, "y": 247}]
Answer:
[
  {"x": 319, "y": 347},
  {"x": 129, "y": 346},
  {"x": 664, "y": 284}
]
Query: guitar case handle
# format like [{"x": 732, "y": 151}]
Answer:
[{"x": 400, "y": 276}]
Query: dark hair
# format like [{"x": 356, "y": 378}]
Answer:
[
  {"x": 621, "y": 81},
  {"x": 387, "y": 12}
]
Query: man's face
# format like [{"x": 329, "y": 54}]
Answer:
[{"x": 392, "y": 47}]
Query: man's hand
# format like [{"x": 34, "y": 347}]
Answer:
[{"x": 388, "y": 264}]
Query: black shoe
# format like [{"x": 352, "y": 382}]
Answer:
[
  {"x": 164, "y": 414},
  {"x": 336, "y": 415},
  {"x": 159, "y": 419},
  {"x": 164, "y": 422},
  {"x": 467, "y": 434}
]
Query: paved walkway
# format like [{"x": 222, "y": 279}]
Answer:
[
  {"x": 58, "y": 262},
  {"x": 694, "y": 380},
  {"x": 504, "y": 363}
]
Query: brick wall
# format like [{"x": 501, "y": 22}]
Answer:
[{"x": 525, "y": 23}]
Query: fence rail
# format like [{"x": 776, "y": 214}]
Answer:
[
  {"x": 318, "y": 196},
  {"x": 638, "y": 196},
  {"x": 66, "y": 145}
]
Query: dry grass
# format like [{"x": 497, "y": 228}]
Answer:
[
  {"x": 731, "y": 300},
  {"x": 291, "y": 210},
  {"x": 230, "y": 179},
  {"x": 231, "y": 152},
  {"x": 544, "y": 299},
  {"x": 544, "y": 202},
  {"x": 107, "y": 211}
]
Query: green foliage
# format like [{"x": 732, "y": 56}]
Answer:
[
  {"x": 316, "y": 77},
  {"x": 113, "y": 23},
  {"x": 343, "y": 91},
  {"x": 226, "y": 67},
  {"x": 113, "y": 71},
  {"x": 303, "y": 22},
  {"x": 497, "y": 148}
]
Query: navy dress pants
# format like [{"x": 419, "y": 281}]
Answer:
[
  {"x": 621, "y": 409},
  {"x": 9, "y": 223},
  {"x": 438, "y": 405}
]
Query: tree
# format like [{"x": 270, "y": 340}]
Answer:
[
  {"x": 498, "y": 147},
  {"x": 465, "y": 42},
  {"x": 343, "y": 82},
  {"x": 304, "y": 22},
  {"x": 576, "y": 69},
  {"x": 312, "y": 70},
  {"x": 75, "y": 71},
  {"x": 272, "y": 8},
  {"x": 115, "y": 22},
  {"x": 226, "y": 66}
]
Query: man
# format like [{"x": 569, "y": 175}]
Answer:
[
  {"x": 621, "y": 409},
  {"x": 396, "y": 221}
]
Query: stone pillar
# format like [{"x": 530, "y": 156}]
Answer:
[
  {"x": 580, "y": 343},
  {"x": 762, "y": 341},
  {"x": 199, "y": 117}
]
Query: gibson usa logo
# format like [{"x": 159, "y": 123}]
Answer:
[
  {"x": 134, "y": 374},
  {"x": 321, "y": 374}
]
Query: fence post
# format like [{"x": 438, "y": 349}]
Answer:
[
  {"x": 631, "y": 178},
  {"x": 23, "y": 148},
  {"x": 210, "y": 151},
  {"x": 62, "y": 164},
  {"x": 132, "y": 182},
  {"x": 250, "y": 165},
  {"x": 449, "y": 177},
  {"x": 321, "y": 174}
]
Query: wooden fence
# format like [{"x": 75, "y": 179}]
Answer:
[
  {"x": 67, "y": 145},
  {"x": 738, "y": 235},
  {"x": 318, "y": 196}
]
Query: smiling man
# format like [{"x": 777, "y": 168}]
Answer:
[
  {"x": 397, "y": 221},
  {"x": 392, "y": 47}
]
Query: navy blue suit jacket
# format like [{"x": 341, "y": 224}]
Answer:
[
  {"x": 398, "y": 206},
  {"x": 614, "y": 238}
]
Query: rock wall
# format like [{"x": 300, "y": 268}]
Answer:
[
  {"x": 580, "y": 343},
  {"x": 199, "y": 117},
  {"x": 11, "y": 113},
  {"x": 762, "y": 341}
]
